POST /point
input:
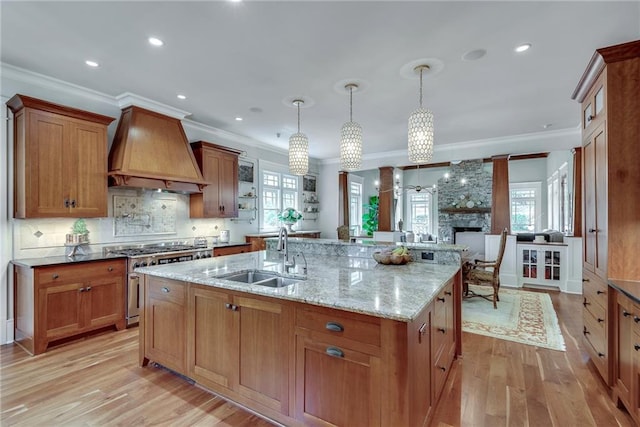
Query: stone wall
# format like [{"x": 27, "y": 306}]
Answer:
[{"x": 473, "y": 194}]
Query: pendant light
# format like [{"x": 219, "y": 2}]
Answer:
[
  {"x": 421, "y": 129},
  {"x": 351, "y": 138},
  {"x": 298, "y": 148}
]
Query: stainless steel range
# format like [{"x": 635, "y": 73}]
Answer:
[{"x": 152, "y": 254}]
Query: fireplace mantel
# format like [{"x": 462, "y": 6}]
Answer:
[{"x": 466, "y": 210}]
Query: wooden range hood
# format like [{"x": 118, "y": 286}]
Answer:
[{"x": 150, "y": 150}]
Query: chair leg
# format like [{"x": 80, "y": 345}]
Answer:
[{"x": 495, "y": 296}]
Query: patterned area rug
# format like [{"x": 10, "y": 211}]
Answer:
[{"x": 524, "y": 317}]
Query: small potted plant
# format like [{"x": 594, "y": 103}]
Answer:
[
  {"x": 289, "y": 217},
  {"x": 80, "y": 232}
]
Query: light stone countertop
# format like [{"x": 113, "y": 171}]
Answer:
[{"x": 360, "y": 285}]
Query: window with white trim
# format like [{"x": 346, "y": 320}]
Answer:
[
  {"x": 525, "y": 207},
  {"x": 355, "y": 208},
  {"x": 420, "y": 213},
  {"x": 279, "y": 191}
]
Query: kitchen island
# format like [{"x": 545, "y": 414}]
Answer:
[{"x": 355, "y": 343}]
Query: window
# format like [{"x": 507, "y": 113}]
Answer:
[
  {"x": 355, "y": 208},
  {"x": 525, "y": 207},
  {"x": 420, "y": 218},
  {"x": 279, "y": 191}
]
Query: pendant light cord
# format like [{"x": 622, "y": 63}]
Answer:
[
  {"x": 421, "y": 87},
  {"x": 298, "y": 104},
  {"x": 350, "y": 103}
]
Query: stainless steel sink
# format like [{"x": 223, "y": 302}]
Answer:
[{"x": 263, "y": 278}]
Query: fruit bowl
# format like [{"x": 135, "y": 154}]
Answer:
[{"x": 387, "y": 258}]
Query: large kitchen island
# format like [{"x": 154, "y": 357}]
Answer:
[{"x": 353, "y": 344}]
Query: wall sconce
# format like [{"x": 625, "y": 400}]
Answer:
[
  {"x": 463, "y": 181},
  {"x": 446, "y": 176},
  {"x": 376, "y": 183}
]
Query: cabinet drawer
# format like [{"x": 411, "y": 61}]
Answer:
[
  {"x": 166, "y": 290},
  {"x": 441, "y": 369},
  {"x": 594, "y": 290},
  {"x": 356, "y": 329},
  {"x": 595, "y": 334},
  {"x": 231, "y": 250},
  {"x": 597, "y": 318},
  {"x": 81, "y": 272}
]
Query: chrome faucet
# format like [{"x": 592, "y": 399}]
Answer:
[
  {"x": 304, "y": 269},
  {"x": 283, "y": 237}
]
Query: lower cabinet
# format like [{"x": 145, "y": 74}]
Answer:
[
  {"x": 627, "y": 354},
  {"x": 231, "y": 250},
  {"x": 61, "y": 301},
  {"x": 300, "y": 364}
]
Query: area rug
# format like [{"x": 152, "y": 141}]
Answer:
[{"x": 521, "y": 316}]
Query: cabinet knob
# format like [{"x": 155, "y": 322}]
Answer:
[
  {"x": 636, "y": 347},
  {"x": 447, "y": 293},
  {"x": 590, "y": 117},
  {"x": 54, "y": 276},
  {"x": 442, "y": 330},
  {"x": 593, "y": 230},
  {"x": 334, "y": 326},
  {"x": 81, "y": 290},
  {"x": 66, "y": 203},
  {"x": 625, "y": 313},
  {"x": 335, "y": 352},
  {"x": 165, "y": 290},
  {"x": 110, "y": 268},
  {"x": 600, "y": 354},
  {"x": 586, "y": 332},
  {"x": 586, "y": 303},
  {"x": 73, "y": 203},
  {"x": 636, "y": 319},
  {"x": 440, "y": 299},
  {"x": 442, "y": 368},
  {"x": 600, "y": 320},
  {"x": 88, "y": 288},
  {"x": 599, "y": 292},
  {"x": 586, "y": 280}
]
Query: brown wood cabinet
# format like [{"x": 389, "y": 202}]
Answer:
[
  {"x": 232, "y": 250},
  {"x": 301, "y": 364},
  {"x": 61, "y": 301},
  {"x": 165, "y": 322},
  {"x": 608, "y": 92},
  {"x": 60, "y": 160},
  {"x": 259, "y": 244},
  {"x": 219, "y": 166}
]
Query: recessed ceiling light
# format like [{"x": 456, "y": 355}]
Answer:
[
  {"x": 474, "y": 55},
  {"x": 90, "y": 63},
  {"x": 155, "y": 41},
  {"x": 522, "y": 47},
  {"x": 547, "y": 126},
  {"x": 182, "y": 96},
  {"x": 238, "y": 119}
]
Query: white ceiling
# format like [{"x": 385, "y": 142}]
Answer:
[{"x": 249, "y": 59}]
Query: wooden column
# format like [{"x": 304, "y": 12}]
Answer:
[
  {"x": 385, "y": 212},
  {"x": 500, "y": 209},
  {"x": 577, "y": 192},
  {"x": 343, "y": 198}
]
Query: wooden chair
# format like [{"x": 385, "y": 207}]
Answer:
[{"x": 476, "y": 274}]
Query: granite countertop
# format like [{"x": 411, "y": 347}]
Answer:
[
  {"x": 371, "y": 242},
  {"x": 275, "y": 233},
  {"x": 62, "y": 259},
  {"x": 360, "y": 285},
  {"x": 630, "y": 288}
]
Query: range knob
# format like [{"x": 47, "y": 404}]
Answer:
[
  {"x": 136, "y": 265},
  {"x": 143, "y": 264},
  {"x": 152, "y": 263},
  {"x": 208, "y": 255},
  {"x": 197, "y": 256}
]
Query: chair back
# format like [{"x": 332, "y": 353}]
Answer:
[{"x": 503, "y": 244}]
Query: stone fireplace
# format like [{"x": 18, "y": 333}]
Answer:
[{"x": 464, "y": 206}]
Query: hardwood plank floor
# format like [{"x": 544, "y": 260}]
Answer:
[{"x": 97, "y": 382}]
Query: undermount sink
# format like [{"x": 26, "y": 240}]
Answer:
[{"x": 263, "y": 278}]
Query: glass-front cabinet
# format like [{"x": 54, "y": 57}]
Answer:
[{"x": 542, "y": 264}]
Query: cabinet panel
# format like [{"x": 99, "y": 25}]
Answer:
[
  {"x": 89, "y": 162},
  {"x": 61, "y": 312},
  {"x": 346, "y": 392},
  {"x": 106, "y": 296},
  {"x": 624, "y": 348},
  {"x": 231, "y": 250}
]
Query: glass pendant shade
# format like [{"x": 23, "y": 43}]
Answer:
[
  {"x": 420, "y": 136},
  {"x": 298, "y": 154},
  {"x": 351, "y": 146}
]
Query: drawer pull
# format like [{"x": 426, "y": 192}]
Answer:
[
  {"x": 440, "y": 299},
  {"x": 586, "y": 332},
  {"x": 590, "y": 117},
  {"x": 335, "y": 352},
  {"x": 600, "y": 320},
  {"x": 88, "y": 288},
  {"x": 593, "y": 230},
  {"x": 586, "y": 280},
  {"x": 81, "y": 290},
  {"x": 442, "y": 330},
  {"x": 600, "y": 354},
  {"x": 165, "y": 290},
  {"x": 636, "y": 347},
  {"x": 600, "y": 292},
  {"x": 423, "y": 329},
  {"x": 54, "y": 276},
  {"x": 625, "y": 313},
  {"x": 447, "y": 293},
  {"x": 636, "y": 319},
  {"x": 231, "y": 307},
  {"x": 334, "y": 326},
  {"x": 442, "y": 368},
  {"x": 586, "y": 303}
]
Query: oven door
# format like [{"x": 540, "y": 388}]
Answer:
[{"x": 133, "y": 293}]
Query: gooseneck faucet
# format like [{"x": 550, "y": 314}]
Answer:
[{"x": 283, "y": 237}]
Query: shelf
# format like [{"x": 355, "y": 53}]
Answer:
[
  {"x": 465, "y": 210},
  {"x": 311, "y": 201},
  {"x": 247, "y": 197}
]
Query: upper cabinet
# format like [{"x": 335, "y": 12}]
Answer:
[
  {"x": 219, "y": 166},
  {"x": 60, "y": 160}
]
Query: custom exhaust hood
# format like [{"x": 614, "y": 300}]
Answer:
[{"x": 150, "y": 150}]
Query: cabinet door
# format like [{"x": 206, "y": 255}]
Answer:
[
  {"x": 104, "y": 298},
  {"x": 636, "y": 373},
  {"x": 263, "y": 329},
  {"x": 595, "y": 203},
  {"x": 210, "y": 194},
  {"x": 61, "y": 312},
  {"x": 46, "y": 172},
  {"x": 165, "y": 323},
  {"x": 87, "y": 162},
  {"x": 336, "y": 386},
  {"x": 420, "y": 367},
  {"x": 624, "y": 349},
  {"x": 228, "y": 185},
  {"x": 211, "y": 355}
]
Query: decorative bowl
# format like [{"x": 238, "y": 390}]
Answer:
[{"x": 389, "y": 258}]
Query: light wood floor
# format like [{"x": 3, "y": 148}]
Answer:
[{"x": 96, "y": 382}]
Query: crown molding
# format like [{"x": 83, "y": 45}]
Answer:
[{"x": 127, "y": 99}]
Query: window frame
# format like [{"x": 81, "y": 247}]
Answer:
[
  {"x": 432, "y": 210},
  {"x": 282, "y": 191},
  {"x": 536, "y": 186},
  {"x": 355, "y": 227}
]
